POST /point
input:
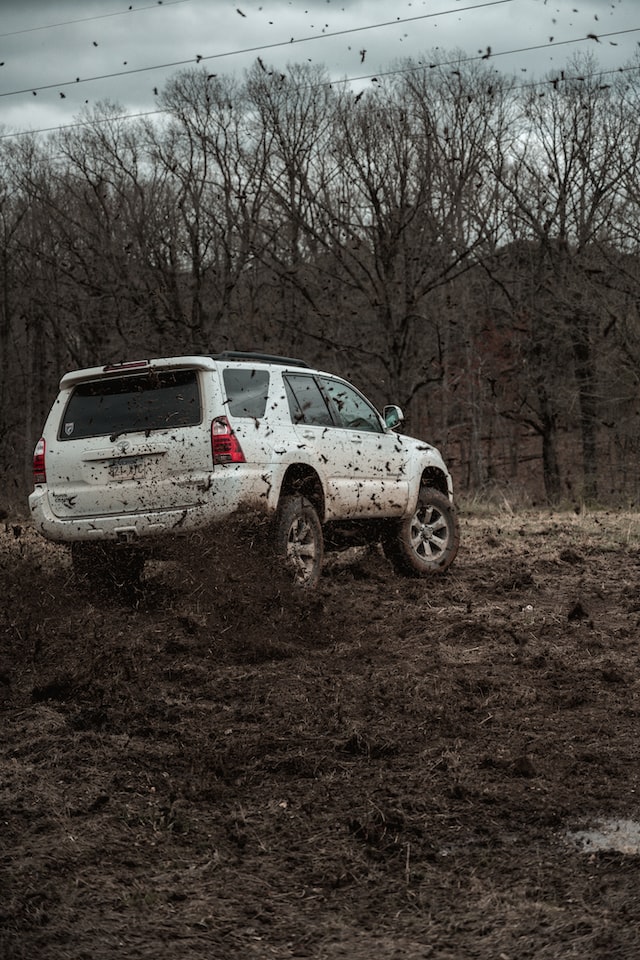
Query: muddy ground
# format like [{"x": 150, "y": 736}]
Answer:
[{"x": 388, "y": 768}]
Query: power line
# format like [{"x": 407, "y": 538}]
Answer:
[
  {"x": 400, "y": 71},
  {"x": 83, "y": 123},
  {"x": 101, "y": 16},
  {"x": 257, "y": 49},
  {"x": 493, "y": 55},
  {"x": 564, "y": 78}
]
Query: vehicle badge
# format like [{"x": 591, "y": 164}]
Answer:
[
  {"x": 68, "y": 428},
  {"x": 123, "y": 446}
]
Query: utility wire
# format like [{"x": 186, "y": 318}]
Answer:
[
  {"x": 492, "y": 55},
  {"x": 101, "y": 16},
  {"x": 553, "y": 81},
  {"x": 256, "y": 49},
  {"x": 399, "y": 71}
]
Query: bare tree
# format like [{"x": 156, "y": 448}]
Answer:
[
  {"x": 565, "y": 179},
  {"x": 209, "y": 151},
  {"x": 382, "y": 200}
]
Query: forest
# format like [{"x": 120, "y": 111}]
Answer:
[{"x": 458, "y": 241}]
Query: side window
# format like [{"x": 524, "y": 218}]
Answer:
[
  {"x": 246, "y": 391},
  {"x": 353, "y": 411},
  {"x": 306, "y": 403}
]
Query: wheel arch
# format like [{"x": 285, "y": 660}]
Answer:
[
  {"x": 302, "y": 480},
  {"x": 435, "y": 478}
]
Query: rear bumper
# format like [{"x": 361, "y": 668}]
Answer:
[{"x": 125, "y": 528}]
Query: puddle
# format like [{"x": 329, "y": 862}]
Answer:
[{"x": 621, "y": 836}]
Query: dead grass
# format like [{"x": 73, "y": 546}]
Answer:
[{"x": 387, "y": 767}]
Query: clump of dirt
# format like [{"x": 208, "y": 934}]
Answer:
[{"x": 217, "y": 765}]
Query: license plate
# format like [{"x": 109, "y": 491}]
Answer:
[{"x": 126, "y": 468}]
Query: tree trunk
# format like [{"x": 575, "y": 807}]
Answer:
[
  {"x": 586, "y": 380},
  {"x": 550, "y": 465}
]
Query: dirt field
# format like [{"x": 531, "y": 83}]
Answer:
[{"x": 388, "y": 768}]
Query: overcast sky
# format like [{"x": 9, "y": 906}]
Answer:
[{"x": 121, "y": 51}]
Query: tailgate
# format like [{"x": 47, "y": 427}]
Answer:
[{"x": 130, "y": 444}]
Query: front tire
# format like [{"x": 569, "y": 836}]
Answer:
[
  {"x": 427, "y": 542},
  {"x": 298, "y": 540}
]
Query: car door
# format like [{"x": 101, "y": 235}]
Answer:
[
  {"x": 324, "y": 443},
  {"x": 376, "y": 456}
]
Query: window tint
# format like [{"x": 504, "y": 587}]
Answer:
[
  {"x": 246, "y": 391},
  {"x": 306, "y": 403},
  {"x": 353, "y": 411},
  {"x": 153, "y": 401}
]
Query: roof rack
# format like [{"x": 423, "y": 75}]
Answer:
[{"x": 259, "y": 358}]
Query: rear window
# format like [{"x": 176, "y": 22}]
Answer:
[
  {"x": 246, "y": 391},
  {"x": 157, "y": 400}
]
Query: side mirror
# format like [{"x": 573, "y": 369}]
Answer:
[{"x": 393, "y": 416}]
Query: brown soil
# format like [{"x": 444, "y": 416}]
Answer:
[{"x": 213, "y": 768}]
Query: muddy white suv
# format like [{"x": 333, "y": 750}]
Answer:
[{"x": 134, "y": 453}]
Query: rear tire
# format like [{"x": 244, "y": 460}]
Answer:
[
  {"x": 298, "y": 540},
  {"x": 427, "y": 542}
]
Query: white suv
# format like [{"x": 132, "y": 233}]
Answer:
[{"x": 134, "y": 453}]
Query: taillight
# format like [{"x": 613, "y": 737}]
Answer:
[
  {"x": 224, "y": 443},
  {"x": 39, "y": 469}
]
